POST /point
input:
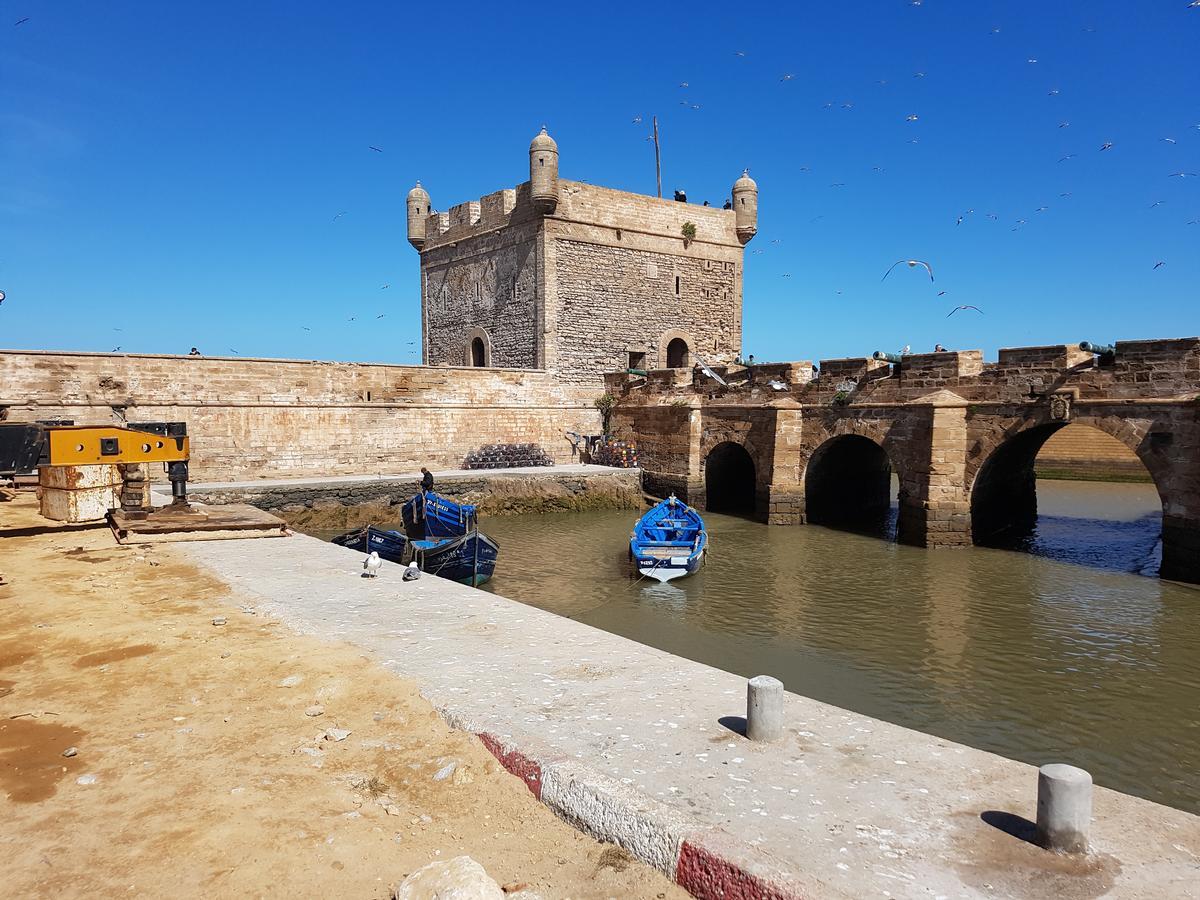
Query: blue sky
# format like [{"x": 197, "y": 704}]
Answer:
[{"x": 174, "y": 171}]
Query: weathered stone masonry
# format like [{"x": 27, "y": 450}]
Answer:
[
  {"x": 251, "y": 418},
  {"x": 580, "y": 280},
  {"x": 960, "y": 434}
]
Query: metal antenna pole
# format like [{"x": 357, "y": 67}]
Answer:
[{"x": 657, "y": 158}]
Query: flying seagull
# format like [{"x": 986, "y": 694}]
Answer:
[
  {"x": 910, "y": 118},
  {"x": 115, "y": 350},
  {"x": 739, "y": 52},
  {"x": 637, "y": 120},
  {"x": 1053, "y": 92},
  {"x": 912, "y": 264},
  {"x": 381, "y": 315},
  {"x": 338, "y": 216},
  {"x": 376, "y": 149},
  {"x": 1068, "y": 156},
  {"x": 1064, "y": 124},
  {"x": 1159, "y": 263},
  {"x": 1107, "y": 146},
  {"x": 1169, "y": 140},
  {"x": 384, "y": 287},
  {"x": 1182, "y": 175},
  {"x": 1, "y": 296},
  {"x": 1157, "y": 203},
  {"x": 968, "y": 306},
  {"x": 683, "y": 84},
  {"x": 918, "y": 74},
  {"x": 942, "y": 293},
  {"x": 787, "y": 77},
  {"x": 20, "y": 21}
]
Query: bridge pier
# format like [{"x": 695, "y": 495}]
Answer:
[{"x": 935, "y": 512}]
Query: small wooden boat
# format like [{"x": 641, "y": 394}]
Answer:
[
  {"x": 390, "y": 545},
  {"x": 430, "y": 515},
  {"x": 468, "y": 558},
  {"x": 445, "y": 540},
  {"x": 669, "y": 541}
]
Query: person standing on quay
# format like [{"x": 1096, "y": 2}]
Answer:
[{"x": 426, "y": 480}]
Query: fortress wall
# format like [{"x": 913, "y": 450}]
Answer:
[
  {"x": 259, "y": 418},
  {"x": 488, "y": 281},
  {"x": 618, "y": 299},
  {"x": 595, "y": 205}
]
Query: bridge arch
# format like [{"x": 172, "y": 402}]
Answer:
[
  {"x": 1003, "y": 487},
  {"x": 848, "y": 485},
  {"x": 730, "y": 479}
]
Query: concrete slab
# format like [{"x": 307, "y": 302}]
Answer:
[{"x": 642, "y": 748}]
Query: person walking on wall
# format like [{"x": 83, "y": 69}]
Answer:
[{"x": 426, "y": 479}]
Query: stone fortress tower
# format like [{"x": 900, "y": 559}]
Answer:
[{"x": 580, "y": 280}]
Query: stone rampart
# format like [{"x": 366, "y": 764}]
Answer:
[{"x": 259, "y": 418}]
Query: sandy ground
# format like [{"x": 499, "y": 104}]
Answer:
[{"x": 199, "y": 770}]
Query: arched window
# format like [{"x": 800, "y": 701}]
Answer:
[
  {"x": 677, "y": 354},
  {"x": 478, "y": 352}
]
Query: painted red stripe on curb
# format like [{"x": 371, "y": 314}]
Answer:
[
  {"x": 709, "y": 877},
  {"x": 528, "y": 770}
]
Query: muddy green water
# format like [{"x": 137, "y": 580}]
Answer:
[{"x": 1066, "y": 653}]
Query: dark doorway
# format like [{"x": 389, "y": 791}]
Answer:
[
  {"x": 848, "y": 485},
  {"x": 1004, "y": 498},
  {"x": 478, "y": 354},
  {"x": 677, "y": 354},
  {"x": 730, "y": 481}
]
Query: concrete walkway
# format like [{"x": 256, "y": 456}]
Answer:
[{"x": 640, "y": 747}]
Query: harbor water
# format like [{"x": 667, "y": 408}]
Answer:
[{"x": 1069, "y": 652}]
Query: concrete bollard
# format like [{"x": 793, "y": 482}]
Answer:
[
  {"x": 764, "y": 708},
  {"x": 1064, "y": 808}
]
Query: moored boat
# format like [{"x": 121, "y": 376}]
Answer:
[
  {"x": 390, "y": 545},
  {"x": 669, "y": 541},
  {"x": 445, "y": 540}
]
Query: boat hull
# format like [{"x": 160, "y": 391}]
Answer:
[
  {"x": 669, "y": 541},
  {"x": 468, "y": 559}
]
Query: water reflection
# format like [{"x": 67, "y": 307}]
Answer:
[{"x": 1057, "y": 656}]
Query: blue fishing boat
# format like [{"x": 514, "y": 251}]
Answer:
[
  {"x": 430, "y": 515},
  {"x": 669, "y": 541},
  {"x": 468, "y": 558},
  {"x": 393, "y": 546},
  {"x": 445, "y": 539}
]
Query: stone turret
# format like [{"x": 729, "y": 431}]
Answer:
[
  {"x": 745, "y": 207},
  {"x": 543, "y": 172},
  {"x": 418, "y": 210}
]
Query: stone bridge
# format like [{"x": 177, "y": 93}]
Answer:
[{"x": 792, "y": 444}]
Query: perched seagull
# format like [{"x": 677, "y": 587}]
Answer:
[
  {"x": 910, "y": 118},
  {"x": 968, "y": 306},
  {"x": 376, "y": 149},
  {"x": 411, "y": 572},
  {"x": 704, "y": 367},
  {"x": 371, "y": 565},
  {"x": 1159, "y": 263},
  {"x": 1107, "y": 146},
  {"x": 905, "y": 350},
  {"x": 912, "y": 264},
  {"x": 776, "y": 385}
]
